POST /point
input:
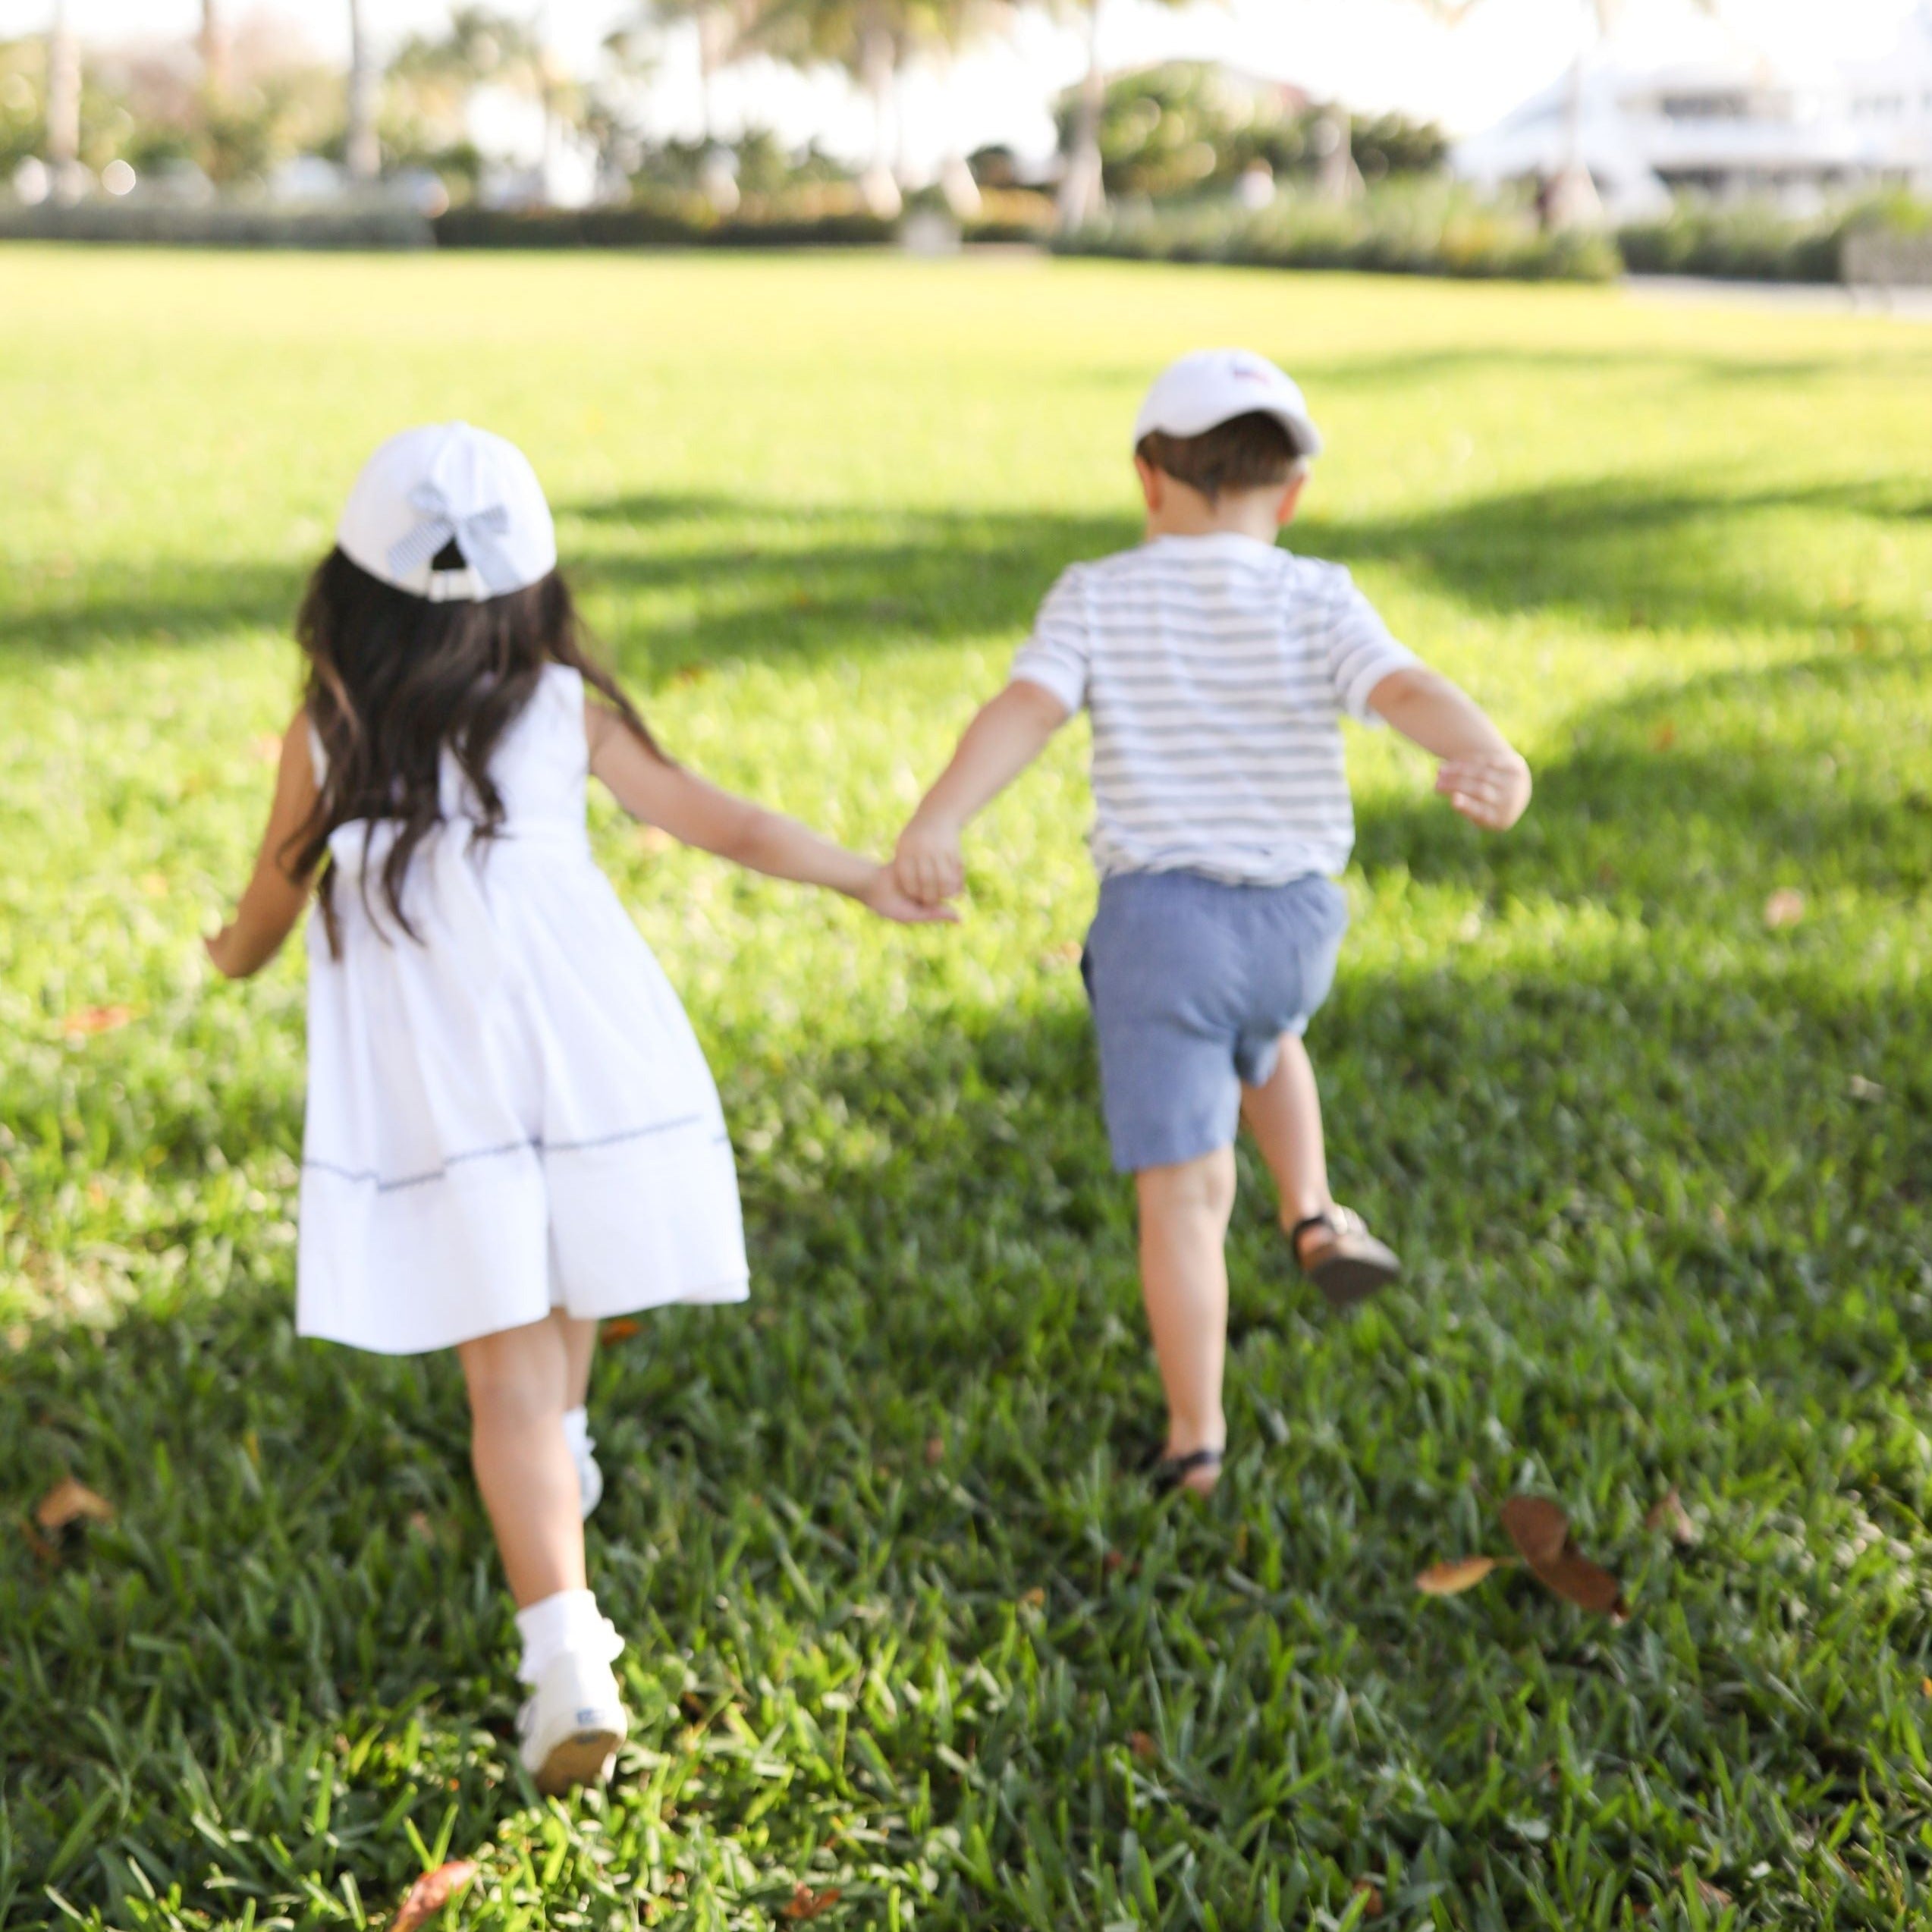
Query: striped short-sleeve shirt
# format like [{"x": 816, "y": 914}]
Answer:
[{"x": 1216, "y": 669}]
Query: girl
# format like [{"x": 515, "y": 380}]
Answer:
[{"x": 511, "y": 1131}]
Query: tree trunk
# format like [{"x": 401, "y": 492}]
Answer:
[
  {"x": 877, "y": 60},
  {"x": 712, "y": 27},
  {"x": 1083, "y": 187},
  {"x": 63, "y": 106},
  {"x": 362, "y": 153},
  {"x": 1341, "y": 179},
  {"x": 213, "y": 46}
]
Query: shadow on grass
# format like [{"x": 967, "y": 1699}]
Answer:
[
  {"x": 1634, "y": 1194},
  {"x": 677, "y": 580}
]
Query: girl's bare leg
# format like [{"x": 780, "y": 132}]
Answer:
[
  {"x": 1284, "y": 1115},
  {"x": 1184, "y": 1213},
  {"x": 580, "y": 1351},
  {"x": 519, "y": 1384}
]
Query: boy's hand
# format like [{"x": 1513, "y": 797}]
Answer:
[
  {"x": 926, "y": 863},
  {"x": 1491, "y": 791},
  {"x": 884, "y": 896}
]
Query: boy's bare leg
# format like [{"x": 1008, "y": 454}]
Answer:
[
  {"x": 1184, "y": 1213},
  {"x": 517, "y": 1381},
  {"x": 579, "y": 1351},
  {"x": 1284, "y": 1115}
]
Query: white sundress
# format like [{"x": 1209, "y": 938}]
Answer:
[{"x": 511, "y": 1113}]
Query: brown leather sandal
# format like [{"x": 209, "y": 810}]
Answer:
[{"x": 1351, "y": 1264}]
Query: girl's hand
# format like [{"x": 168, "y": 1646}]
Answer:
[
  {"x": 882, "y": 894},
  {"x": 1491, "y": 791}
]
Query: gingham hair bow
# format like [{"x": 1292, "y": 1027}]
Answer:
[{"x": 475, "y": 534}]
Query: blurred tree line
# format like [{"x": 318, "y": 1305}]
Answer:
[{"x": 232, "y": 105}]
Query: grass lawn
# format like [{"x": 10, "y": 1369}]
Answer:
[{"x": 902, "y": 1628}]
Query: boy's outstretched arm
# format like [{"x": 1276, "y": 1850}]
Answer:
[
  {"x": 1482, "y": 774},
  {"x": 1008, "y": 733}
]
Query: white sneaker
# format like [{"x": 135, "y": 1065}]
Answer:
[{"x": 569, "y": 1729}]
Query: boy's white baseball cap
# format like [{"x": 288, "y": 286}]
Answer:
[
  {"x": 448, "y": 482},
  {"x": 1213, "y": 386}
]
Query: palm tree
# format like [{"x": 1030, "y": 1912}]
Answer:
[
  {"x": 213, "y": 43},
  {"x": 725, "y": 29},
  {"x": 361, "y": 152},
  {"x": 1082, "y": 190},
  {"x": 868, "y": 39},
  {"x": 64, "y": 105}
]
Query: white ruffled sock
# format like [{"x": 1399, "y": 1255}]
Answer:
[{"x": 568, "y": 1621}]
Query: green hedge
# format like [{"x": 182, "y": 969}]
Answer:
[
  {"x": 1757, "y": 243},
  {"x": 221, "y": 225},
  {"x": 650, "y": 227},
  {"x": 1433, "y": 229}
]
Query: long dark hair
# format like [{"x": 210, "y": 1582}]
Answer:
[{"x": 393, "y": 679}]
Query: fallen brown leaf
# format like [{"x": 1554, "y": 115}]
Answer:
[
  {"x": 1785, "y": 906},
  {"x": 1712, "y": 1895},
  {"x": 1536, "y": 1526},
  {"x": 805, "y": 1903},
  {"x": 1141, "y": 1744},
  {"x": 936, "y": 1451},
  {"x": 1577, "y": 1580},
  {"x": 95, "y": 1020},
  {"x": 1451, "y": 1578},
  {"x": 1668, "y": 1513},
  {"x": 421, "y": 1528},
  {"x": 67, "y": 1501},
  {"x": 621, "y": 1328},
  {"x": 1035, "y": 1598},
  {"x": 1116, "y": 1560},
  {"x": 1371, "y": 1894},
  {"x": 430, "y": 1892}
]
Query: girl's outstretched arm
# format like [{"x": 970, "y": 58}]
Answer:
[
  {"x": 649, "y": 786},
  {"x": 274, "y": 900}
]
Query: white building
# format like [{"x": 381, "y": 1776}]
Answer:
[{"x": 1740, "y": 131}]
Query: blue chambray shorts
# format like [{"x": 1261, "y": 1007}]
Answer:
[{"x": 1192, "y": 985}]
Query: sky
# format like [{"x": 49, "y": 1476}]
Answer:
[{"x": 1373, "y": 53}]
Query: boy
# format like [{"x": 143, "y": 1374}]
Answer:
[{"x": 1217, "y": 667}]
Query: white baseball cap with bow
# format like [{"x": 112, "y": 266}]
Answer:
[{"x": 449, "y": 483}]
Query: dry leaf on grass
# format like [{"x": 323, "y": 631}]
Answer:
[
  {"x": 95, "y": 1019},
  {"x": 805, "y": 1903},
  {"x": 1668, "y": 1513},
  {"x": 1370, "y": 1895},
  {"x": 1035, "y": 1598},
  {"x": 621, "y": 1329},
  {"x": 1536, "y": 1526},
  {"x": 1785, "y": 906},
  {"x": 936, "y": 1451},
  {"x": 68, "y": 1501},
  {"x": 1141, "y": 1744},
  {"x": 430, "y": 1892},
  {"x": 1712, "y": 1895},
  {"x": 1541, "y": 1531},
  {"x": 1451, "y": 1577}
]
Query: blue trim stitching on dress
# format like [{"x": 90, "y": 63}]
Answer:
[{"x": 369, "y": 1174}]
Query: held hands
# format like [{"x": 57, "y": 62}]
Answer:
[
  {"x": 1491, "y": 791},
  {"x": 882, "y": 894},
  {"x": 927, "y": 864}
]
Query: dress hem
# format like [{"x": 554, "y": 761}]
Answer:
[{"x": 722, "y": 1292}]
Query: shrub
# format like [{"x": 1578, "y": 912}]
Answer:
[
  {"x": 1433, "y": 228},
  {"x": 1756, "y": 242},
  {"x": 689, "y": 226}
]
